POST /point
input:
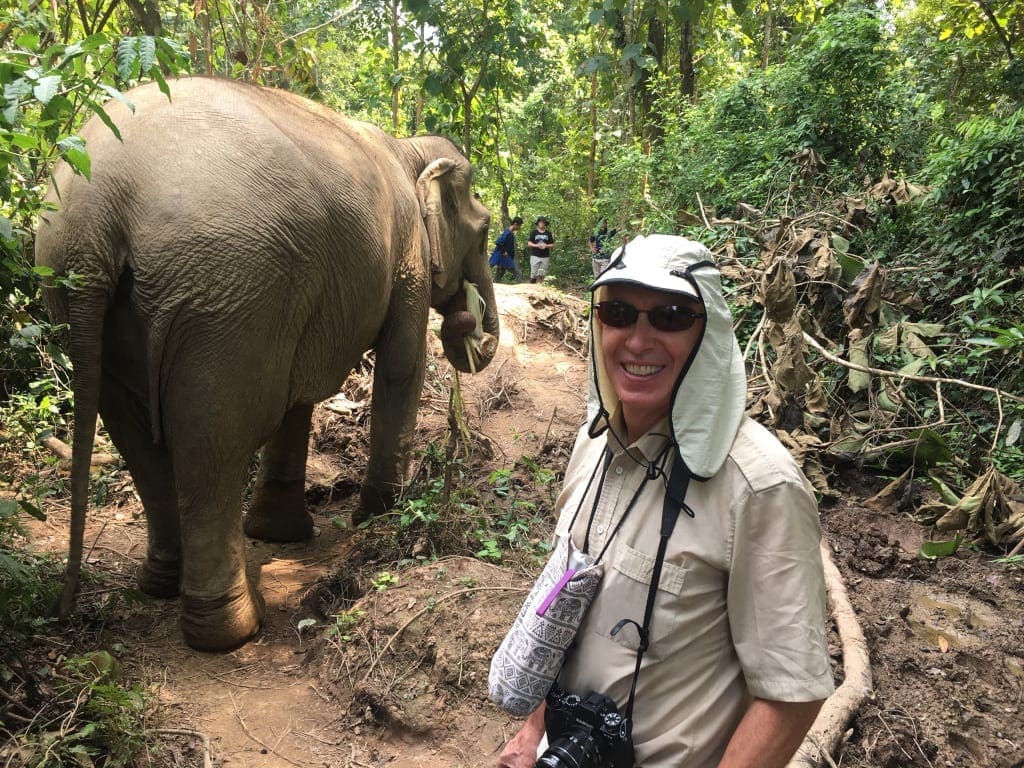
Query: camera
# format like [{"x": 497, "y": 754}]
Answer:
[{"x": 585, "y": 732}]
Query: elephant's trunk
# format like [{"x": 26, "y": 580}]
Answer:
[{"x": 460, "y": 324}]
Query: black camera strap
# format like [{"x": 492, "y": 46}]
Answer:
[{"x": 675, "y": 499}]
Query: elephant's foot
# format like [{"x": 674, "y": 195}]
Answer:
[
  {"x": 372, "y": 502},
  {"x": 160, "y": 577},
  {"x": 278, "y": 513},
  {"x": 223, "y": 623}
]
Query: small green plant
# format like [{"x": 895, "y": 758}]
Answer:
[
  {"x": 501, "y": 482},
  {"x": 345, "y": 622},
  {"x": 423, "y": 509},
  {"x": 1013, "y": 562},
  {"x": 384, "y": 580},
  {"x": 491, "y": 550}
]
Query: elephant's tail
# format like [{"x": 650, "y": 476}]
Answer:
[{"x": 86, "y": 309}]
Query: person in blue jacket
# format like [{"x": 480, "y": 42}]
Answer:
[{"x": 504, "y": 255}]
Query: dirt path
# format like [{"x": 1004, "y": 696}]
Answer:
[{"x": 403, "y": 684}]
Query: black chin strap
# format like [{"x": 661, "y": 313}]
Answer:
[{"x": 675, "y": 499}]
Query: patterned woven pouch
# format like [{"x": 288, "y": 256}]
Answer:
[{"x": 531, "y": 655}]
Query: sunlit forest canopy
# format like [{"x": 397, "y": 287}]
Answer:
[{"x": 858, "y": 167}]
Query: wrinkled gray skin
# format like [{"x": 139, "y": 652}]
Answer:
[{"x": 240, "y": 250}]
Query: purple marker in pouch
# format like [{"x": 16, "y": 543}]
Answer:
[{"x": 577, "y": 561}]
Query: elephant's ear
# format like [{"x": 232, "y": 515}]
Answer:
[{"x": 428, "y": 191}]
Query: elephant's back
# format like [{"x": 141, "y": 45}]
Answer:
[
  {"x": 212, "y": 129},
  {"x": 222, "y": 162}
]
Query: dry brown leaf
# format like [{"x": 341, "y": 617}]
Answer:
[
  {"x": 790, "y": 369},
  {"x": 823, "y": 265},
  {"x": 778, "y": 292},
  {"x": 803, "y": 237},
  {"x": 862, "y": 303},
  {"x": 889, "y": 497}
]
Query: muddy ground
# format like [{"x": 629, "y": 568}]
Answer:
[{"x": 378, "y": 641}]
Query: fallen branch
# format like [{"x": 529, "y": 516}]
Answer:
[
  {"x": 908, "y": 376},
  {"x": 62, "y": 451},
  {"x": 842, "y": 706}
]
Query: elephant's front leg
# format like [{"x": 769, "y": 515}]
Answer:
[
  {"x": 278, "y": 508},
  {"x": 397, "y": 382}
]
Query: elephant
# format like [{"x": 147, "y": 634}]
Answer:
[{"x": 234, "y": 252}]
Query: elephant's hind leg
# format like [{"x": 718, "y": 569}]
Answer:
[
  {"x": 127, "y": 421},
  {"x": 212, "y": 437},
  {"x": 221, "y": 607},
  {"x": 278, "y": 508}
]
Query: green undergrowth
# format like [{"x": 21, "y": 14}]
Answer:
[
  {"x": 65, "y": 699},
  {"x": 448, "y": 510}
]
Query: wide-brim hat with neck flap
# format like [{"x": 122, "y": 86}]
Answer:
[{"x": 710, "y": 396}]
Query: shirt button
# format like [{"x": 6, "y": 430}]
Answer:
[
  {"x": 600, "y": 529},
  {"x": 618, "y": 470}
]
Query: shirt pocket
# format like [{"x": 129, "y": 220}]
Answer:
[{"x": 624, "y": 592}]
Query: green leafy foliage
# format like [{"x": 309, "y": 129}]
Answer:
[
  {"x": 977, "y": 175},
  {"x": 48, "y": 89},
  {"x": 840, "y": 93}
]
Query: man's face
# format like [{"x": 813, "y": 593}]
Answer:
[{"x": 643, "y": 363}]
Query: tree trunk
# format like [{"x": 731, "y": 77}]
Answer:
[
  {"x": 687, "y": 76},
  {"x": 769, "y": 29},
  {"x": 202, "y": 15},
  {"x": 396, "y": 49},
  {"x": 147, "y": 16},
  {"x": 653, "y": 120},
  {"x": 592, "y": 157}
]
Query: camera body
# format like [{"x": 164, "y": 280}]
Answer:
[{"x": 585, "y": 732}]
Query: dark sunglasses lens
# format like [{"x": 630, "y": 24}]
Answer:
[
  {"x": 617, "y": 314},
  {"x": 670, "y": 318}
]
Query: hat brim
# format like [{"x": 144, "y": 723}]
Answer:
[{"x": 649, "y": 267}]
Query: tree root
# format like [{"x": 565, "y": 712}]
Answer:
[
  {"x": 62, "y": 450},
  {"x": 841, "y": 707}
]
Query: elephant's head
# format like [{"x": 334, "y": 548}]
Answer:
[{"x": 455, "y": 227}]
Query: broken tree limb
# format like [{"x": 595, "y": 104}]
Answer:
[
  {"x": 908, "y": 376},
  {"x": 842, "y": 706},
  {"x": 62, "y": 451}
]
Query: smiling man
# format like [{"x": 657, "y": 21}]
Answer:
[{"x": 708, "y": 629}]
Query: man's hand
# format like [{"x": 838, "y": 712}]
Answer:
[{"x": 521, "y": 749}]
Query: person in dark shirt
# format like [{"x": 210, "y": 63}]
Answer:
[
  {"x": 504, "y": 255},
  {"x": 541, "y": 241}
]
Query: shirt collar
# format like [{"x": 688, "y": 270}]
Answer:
[{"x": 647, "y": 447}]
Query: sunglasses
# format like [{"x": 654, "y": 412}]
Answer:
[{"x": 668, "y": 317}]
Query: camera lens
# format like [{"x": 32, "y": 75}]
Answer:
[{"x": 577, "y": 749}]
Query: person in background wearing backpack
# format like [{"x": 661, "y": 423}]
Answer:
[
  {"x": 504, "y": 255},
  {"x": 708, "y": 629}
]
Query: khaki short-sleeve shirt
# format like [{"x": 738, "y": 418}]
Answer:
[{"x": 740, "y": 609}]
